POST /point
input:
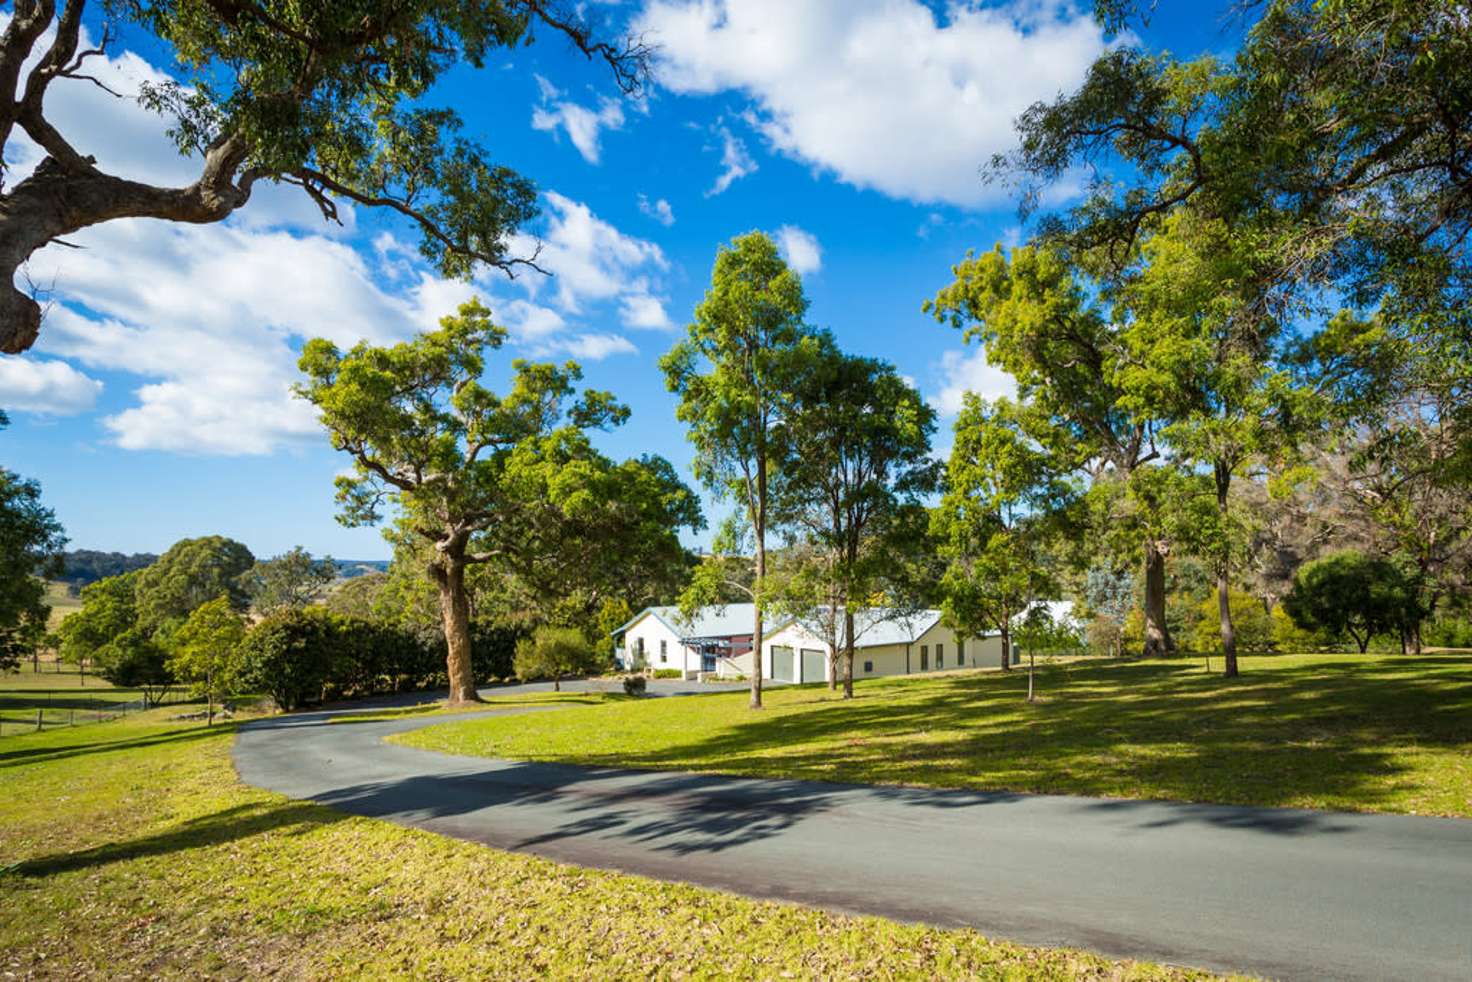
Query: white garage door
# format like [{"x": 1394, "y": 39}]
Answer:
[{"x": 782, "y": 664}]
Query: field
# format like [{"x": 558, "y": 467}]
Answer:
[
  {"x": 62, "y": 603},
  {"x": 131, "y": 850},
  {"x": 61, "y": 697},
  {"x": 1367, "y": 733}
]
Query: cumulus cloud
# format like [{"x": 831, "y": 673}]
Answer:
[
  {"x": 659, "y": 210},
  {"x": 581, "y": 124},
  {"x": 968, "y": 371},
  {"x": 801, "y": 249},
  {"x": 52, "y": 388},
  {"x": 884, "y": 94},
  {"x": 736, "y": 161}
]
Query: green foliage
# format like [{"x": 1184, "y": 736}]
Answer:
[
  {"x": 83, "y": 566},
  {"x": 1005, "y": 497},
  {"x": 1255, "y": 626},
  {"x": 289, "y": 581},
  {"x": 668, "y": 673},
  {"x": 31, "y": 540},
  {"x": 134, "y": 660},
  {"x": 191, "y": 573},
  {"x": 555, "y": 652},
  {"x": 205, "y": 650},
  {"x": 108, "y": 612},
  {"x": 635, "y": 685},
  {"x": 291, "y": 655},
  {"x": 1349, "y": 592}
]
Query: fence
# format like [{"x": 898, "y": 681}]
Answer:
[{"x": 66, "y": 708}]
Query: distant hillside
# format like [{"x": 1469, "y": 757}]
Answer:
[
  {"x": 349, "y": 568},
  {"x": 83, "y": 566}
]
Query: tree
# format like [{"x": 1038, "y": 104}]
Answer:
[
  {"x": 1206, "y": 347},
  {"x": 859, "y": 439},
  {"x": 328, "y": 98},
  {"x": 1004, "y": 498},
  {"x": 290, "y": 654},
  {"x": 205, "y": 652},
  {"x": 31, "y": 541},
  {"x": 1252, "y": 623},
  {"x": 1351, "y": 593},
  {"x": 109, "y": 612},
  {"x": 735, "y": 373},
  {"x": 555, "y": 652},
  {"x": 289, "y": 581},
  {"x": 192, "y": 572},
  {"x": 134, "y": 660},
  {"x": 1110, "y": 594},
  {"x": 452, "y": 456},
  {"x": 1044, "y": 318}
]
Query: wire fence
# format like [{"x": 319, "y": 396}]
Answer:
[{"x": 31, "y": 711}]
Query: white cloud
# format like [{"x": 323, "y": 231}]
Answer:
[
  {"x": 968, "y": 371},
  {"x": 659, "y": 210},
  {"x": 736, "y": 162},
  {"x": 882, "y": 93},
  {"x": 52, "y": 388},
  {"x": 801, "y": 249},
  {"x": 595, "y": 347},
  {"x": 642, "y": 310},
  {"x": 581, "y": 124}
]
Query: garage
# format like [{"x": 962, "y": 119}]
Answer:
[
  {"x": 782, "y": 664},
  {"x": 812, "y": 665}
]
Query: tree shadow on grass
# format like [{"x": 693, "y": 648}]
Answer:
[
  {"x": 227, "y": 825},
  {"x": 1328, "y": 730},
  {"x": 37, "y": 755}
]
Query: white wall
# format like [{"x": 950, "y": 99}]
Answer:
[
  {"x": 653, "y": 631},
  {"x": 891, "y": 659}
]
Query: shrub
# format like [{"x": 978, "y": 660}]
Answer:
[
  {"x": 292, "y": 655},
  {"x": 1252, "y": 624},
  {"x": 554, "y": 652},
  {"x": 634, "y": 685},
  {"x": 1349, "y": 592},
  {"x": 668, "y": 673},
  {"x": 1448, "y": 632}
]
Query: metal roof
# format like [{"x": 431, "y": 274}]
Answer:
[{"x": 708, "y": 622}]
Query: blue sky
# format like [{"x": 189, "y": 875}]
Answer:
[{"x": 155, "y": 406}]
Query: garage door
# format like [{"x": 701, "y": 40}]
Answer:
[
  {"x": 812, "y": 665},
  {"x": 782, "y": 664}
]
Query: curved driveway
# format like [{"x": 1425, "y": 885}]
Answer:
[{"x": 1280, "y": 892}]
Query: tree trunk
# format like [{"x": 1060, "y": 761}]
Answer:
[
  {"x": 1158, "y": 642},
  {"x": 1031, "y": 656},
  {"x": 848, "y": 653},
  {"x": 759, "y": 527},
  {"x": 1006, "y": 646},
  {"x": 455, "y": 614},
  {"x": 1223, "y": 577}
]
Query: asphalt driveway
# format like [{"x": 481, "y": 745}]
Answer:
[{"x": 1279, "y": 892}]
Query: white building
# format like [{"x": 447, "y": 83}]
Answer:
[
  {"x": 884, "y": 644},
  {"x": 718, "y": 641}
]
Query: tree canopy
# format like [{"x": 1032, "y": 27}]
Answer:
[
  {"x": 31, "y": 540},
  {"x": 328, "y": 97}
]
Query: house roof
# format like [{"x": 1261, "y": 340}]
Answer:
[
  {"x": 875, "y": 626},
  {"x": 708, "y": 622}
]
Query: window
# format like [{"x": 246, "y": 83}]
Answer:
[
  {"x": 663, "y": 651},
  {"x": 924, "y": 657},
  {"x": 940, "y": 656},
  {"x": 960, "y": 654},
  {"x": 868, "y": 668}
]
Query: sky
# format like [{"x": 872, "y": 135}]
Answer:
[{"x": 157, "y": 406}]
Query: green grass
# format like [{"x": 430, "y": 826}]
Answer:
[
  {"x": 1374, "y": 733},
  {"x": 439, "y": 708},
  {"x": 130, "y": 850},
  {"x": 63, "y": 698},
  {"x": 62, "y": 603}
]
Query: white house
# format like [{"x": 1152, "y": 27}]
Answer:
[
  {"x": 885, "y": 644},
  {"x": 717, "y": 640}
]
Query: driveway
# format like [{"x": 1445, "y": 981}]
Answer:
[{"x": 1279, "y": 892}]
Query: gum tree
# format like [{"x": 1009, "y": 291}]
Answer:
[
  {"x": 735, "y": 374},
  {"x": 325, "y": 97},
  {"x": 461, "y": 465}
]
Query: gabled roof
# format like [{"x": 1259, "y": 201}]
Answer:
[
  {"x": 875, "y": 626},
  {"x": 709, "y": 622}
]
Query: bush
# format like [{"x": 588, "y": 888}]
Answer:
[
  {"x": 1252, "y": 624},
  {"x": 292, "y": 656},
  {"x": 669, "y": 673},
  {"x": 1352, "y": 593},
  {"x": 634, "y": 685},
  {"x": 555, "y": 652},
  {"x": 1448, "y": 632}
]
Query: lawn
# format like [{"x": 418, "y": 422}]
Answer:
[
  {"x": 1366, "y": 733},
  {"x": 130, "y": 849}
]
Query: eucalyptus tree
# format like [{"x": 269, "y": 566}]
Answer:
[
  {"x": 1007, "y": 494},
  {"x": 190, "y": 573},
  {"x": 736, "y": 373},
  {"x": 289, "y": 581},
  {"x": 859, "y": 436},
  {"x": 1043, "y": 317},
  {"x": 463, "y": 466},
  {"x": 329, "y": 98}
]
